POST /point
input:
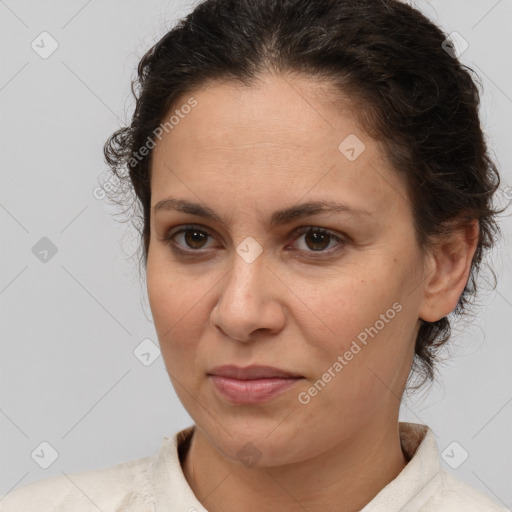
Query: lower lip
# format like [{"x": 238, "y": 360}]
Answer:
[{"x": 251, "y": 391}]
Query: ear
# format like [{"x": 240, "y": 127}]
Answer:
[{"x": 447, "y": 271}]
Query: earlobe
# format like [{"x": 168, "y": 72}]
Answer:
[{"x": 447, "y": 271}]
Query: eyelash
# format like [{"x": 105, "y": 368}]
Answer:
[{"x": 300, "y": 231}]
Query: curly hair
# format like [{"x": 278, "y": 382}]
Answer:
[{"x": 390, "y": 60}]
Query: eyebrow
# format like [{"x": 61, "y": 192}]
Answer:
[{"x": 283, "y": 216}]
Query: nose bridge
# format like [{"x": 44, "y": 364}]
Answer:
[
  {"x": 246, "y": 275},
  {"x": 245, "y": 303}
]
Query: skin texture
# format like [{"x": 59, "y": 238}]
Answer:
[{"x": 245, "y": 152}]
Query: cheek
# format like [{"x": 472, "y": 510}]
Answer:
[
  {"x": 339, "y": 307},
  {"x": 370, "y": 316},
  {"x": 180, "y": 305},
  {"x": 171, "y": 297}
]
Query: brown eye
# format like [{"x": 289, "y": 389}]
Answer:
[
  {"x": 318, "y": 240},
  {"x": 189, "y": 238},
  {"x": 195, "y": 238}
]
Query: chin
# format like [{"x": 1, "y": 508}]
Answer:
[{"x": 260, "y": 442}]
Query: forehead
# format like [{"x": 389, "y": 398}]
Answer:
[
  {"x": 273, "y": 111},
  {"x": 280, "y": 139}
]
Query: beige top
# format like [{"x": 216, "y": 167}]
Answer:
[{"x": 157, "y": 484}]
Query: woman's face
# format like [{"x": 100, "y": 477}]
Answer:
[{"x": 255, "y": 286}]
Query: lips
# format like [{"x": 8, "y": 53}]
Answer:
[
  {"x": 252, "y": 372},
  {"x": 251, "y": 385}
]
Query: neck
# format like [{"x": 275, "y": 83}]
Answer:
[{"x": 345, "y": 478}]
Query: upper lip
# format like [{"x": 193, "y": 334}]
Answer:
[{"x": 252, "y": 372}]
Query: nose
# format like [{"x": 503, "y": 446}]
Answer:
[{"x": 250, "y": 299}]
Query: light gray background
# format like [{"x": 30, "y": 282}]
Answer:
[{"x": 69, "y": 327}]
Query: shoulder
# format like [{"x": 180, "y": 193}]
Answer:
[
  {"x": 121, "y": 487},
  {"x": 455, "y": 495}
]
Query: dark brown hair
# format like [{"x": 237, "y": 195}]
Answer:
[{"x": 413, "y": 94}]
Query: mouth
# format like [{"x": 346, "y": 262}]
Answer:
[
  {"x": 253, "y": 384},
  {"x": 252, "y": 372}
]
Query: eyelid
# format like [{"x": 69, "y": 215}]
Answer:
[{"x": 335, "y": 234}]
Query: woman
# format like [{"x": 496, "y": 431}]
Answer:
[{"x": 315, "y": 197}]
